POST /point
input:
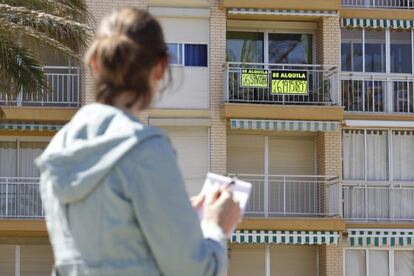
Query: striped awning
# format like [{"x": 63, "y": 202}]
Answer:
[
  {"x": 380, "y": 237},
  {"x": 239, "y": 11},
  {"x": 30, "y": 126},
  {"x": 284, "y": 125},
  {"x": 377, "y": 23},
  {"x": 284, "y": 237}
]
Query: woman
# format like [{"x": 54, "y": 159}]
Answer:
[{"x": 113, "y": 195}]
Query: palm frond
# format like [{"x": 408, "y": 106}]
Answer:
[
  {"x": 61, "y": 25},
  {"x": 71, "y": 9},
  {"x": 71, "y": 33},
  {"x": 19, "y": 71},
  {"x": 20, "y": 30}
]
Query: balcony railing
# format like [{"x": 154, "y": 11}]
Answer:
[
  {"x": 322, "y": 85},
  {"x": 64, "y": 90},
  {"x": 293, "y": 196},
  {"x": 378, "y": 201},
  {"x": 373, "y": 92},
  {"x": 20, "y": 198},
  {"x": 384, "y": 4}
]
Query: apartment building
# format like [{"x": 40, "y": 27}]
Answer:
[{"x": 310, "y": 101}]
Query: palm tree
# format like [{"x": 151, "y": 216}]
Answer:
[{"x": 61, "y": 25}]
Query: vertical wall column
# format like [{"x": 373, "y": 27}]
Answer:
[
  {"x": 328, "y": 41},
  {"x": 217, "y": 44},
  {"x": 331, "y": 258},
  {"x": 329, "y": 162},
  {"x": 99, "y": 9}
]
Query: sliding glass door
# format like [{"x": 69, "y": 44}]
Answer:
[
  {"x": 246, "y": 47},
  {"x": 290, "y": 48}
]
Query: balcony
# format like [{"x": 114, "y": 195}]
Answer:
[
  {"x": 381, "y": 201},
  {"x": 20, "y": 198},
  {"x": 64, "y": 90},
  {"x": 276, "y": 196},
  {"x": 378, "y": 93},
  {"x": 382, "y": 4},
  {"x": 322, "y": 85}
]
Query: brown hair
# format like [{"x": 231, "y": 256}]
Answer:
[{"x": 128, "y": 44}]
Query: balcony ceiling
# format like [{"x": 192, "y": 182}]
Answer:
[{"x": 281, "y": 4}]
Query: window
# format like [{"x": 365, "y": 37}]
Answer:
[
  {"x": 355, "y": 263},
  {"x": 374, "y": 51},
  {"x": 188, "y": 54},
  {"x": 245, "y": 47},
  {"x": 351, "y": 50},
  {"x": 290, "y": 48},
  {"x": 366, "y": 155},
  {"x": 375, "y": 262},
  {"x": 284, "y": 48},
  {"x": 404, "y": 263},
  {"x": 403, "y": 153},
  {"x": 17, "y": 158},
  {"x": 195, "y": 55},
  {"x": 175, "y": 51},
  {"x": 400, "y": 52},
  {"x": 365, "y": 50}
]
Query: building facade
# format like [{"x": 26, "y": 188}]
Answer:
[{"x": 310, "y": 101}]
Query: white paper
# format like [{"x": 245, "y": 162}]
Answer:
[{"x": 241, "y": 189}]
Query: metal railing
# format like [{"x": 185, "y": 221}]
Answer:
[
  {"x": 384, "y": 4},
  {"x": 20, "y": 198},
  {"x": 322, "y": 85},
  {"x": 64, "y": 89},
  {"x": 378, "y": 201},
  {"x": 374, "y": 92},
  {"x": 292, "y": 195}
]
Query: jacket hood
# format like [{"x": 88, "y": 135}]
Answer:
[{"x": 84, "y": 151}]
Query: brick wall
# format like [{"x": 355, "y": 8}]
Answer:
[
  {"x": 328, "y": 37},
  {"x": 217, "y": 56},
  {"x": 328, "y": 144},
  {"x": 331, "y": 258}
]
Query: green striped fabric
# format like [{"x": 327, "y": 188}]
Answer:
[
  {"x": 237, "y": 11},
  {"x": 377, "y": 23},
  {"x": 380, "y": 237},
  {"x": 29, "y": 126},
  {"x": 284, "y": 237},
  {"x": 280, "y": 125}
]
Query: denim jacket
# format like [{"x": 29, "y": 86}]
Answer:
[{"x": 115, "y": 202}]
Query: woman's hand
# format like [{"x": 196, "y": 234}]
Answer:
[
  {"x": 197, "y": 201},
  {"x": 222, "y": 209}
]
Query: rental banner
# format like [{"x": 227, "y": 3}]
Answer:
[
  {"x": 289, "y": 82},
  {"x": 254, "y": 78}
]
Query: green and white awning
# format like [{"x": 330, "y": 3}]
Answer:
[
  {"x": 380, "y": 237},
  {"x": 284, "y": 125},
  {"x": 238, "y": 11},
  {"x": 29, "y": 126},
  {"x": 377, "y": 23},
  {"x": 284, "y": 237}
]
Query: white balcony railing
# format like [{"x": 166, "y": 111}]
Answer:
[
  {"x": 20, "y": 198},
  {"x": 374, "y": 92},
  {"x": 384, "y": 4},
  {"x": 293, "y": 196},
  {"x": 64, "y": 90},
  {"x": 322, "y": 85},
  {"x": 378, "y": 201}
]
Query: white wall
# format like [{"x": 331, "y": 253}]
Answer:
[{"x": 190, "y": 87}]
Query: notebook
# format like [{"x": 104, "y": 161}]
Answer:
[{"x": 241, "y": 189}]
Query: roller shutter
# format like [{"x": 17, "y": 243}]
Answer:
[
  {"x": 7, "y": 259},
  {"x": 191, "y": 145},
  {"x": 291, "y": 155},
  {"x": 36, "y": 260}
]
